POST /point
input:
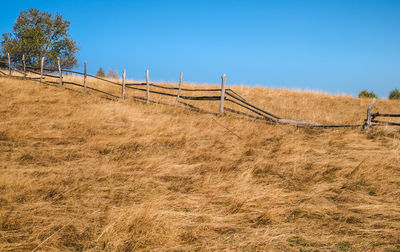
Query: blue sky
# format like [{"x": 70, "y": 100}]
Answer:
[{"x": 334, "y": 46}]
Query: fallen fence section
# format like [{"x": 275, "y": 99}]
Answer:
[
  {"x": 298, "y": 122},
  {"x": 218, "y": 94}
]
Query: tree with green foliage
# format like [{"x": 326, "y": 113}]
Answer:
[
  {"x": 365, "y": 94},
  {"x": 394, "y": 94},
  {"x": 100, "y": 73},
  {"x": 38, "y": 34}
]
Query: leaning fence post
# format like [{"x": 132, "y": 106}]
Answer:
[
  {"x": 59, "y": 71},
  {"x": 23, "y": 62},
  {"x": 148, "y": 87},
  {"x": 85, "y": 77},
  {"x": 368, "y": 121},
  {"x": 123, "y": 84},
  {"x": 179, "y": 90},
  {"x": 9, "y": 63},
  {"x": 221, "y": 105},
  {"x": 41, "y": 69}
]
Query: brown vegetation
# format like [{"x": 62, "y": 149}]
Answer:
[{"x": 80, "y": 172}]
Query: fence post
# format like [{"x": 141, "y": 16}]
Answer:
[
  {"x": 221, "y": 105},
  {"x": 84, "y": 77},
  {"x": 59, "y": 71},
  {"x": 9, "y": 63},
  {"x": 41, "y": 69},
  {"x": 123, "y": 84},
  {"x": 148, "y": 87},
  {"x": 368, "y": 121},
  {"x": 23, "y": 62},
  {"x": 179, "y": 90}
]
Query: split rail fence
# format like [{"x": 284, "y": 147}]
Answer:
[{"x": 221, "y": 95}]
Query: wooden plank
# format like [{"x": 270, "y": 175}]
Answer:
[
  {"x": 385, "y": 115},
  {"x": 386, "y": 123},
  {"x": 254, "y": 107},
  {"x": 179, "y": 90},
  {"x": 23, "y": 62},
  {"x": 367, "y": 125},
  {"x": 123, "y": 84},
  {"x": 298, "y": 122},
  {"x": 41, "y": 69},
  {"x": 95, "y": 77},
  {"x": 59, "y": 71},
  {"x": 221, "y": 104},
  {"x": 85, "y": 77},
  {"x": 9, "y": 63},
  {"x": 148, "y": 87}
]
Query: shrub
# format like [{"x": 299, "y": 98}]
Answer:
[
  {"x": 365, "y": 94},
  {"x": 394, "y": 94},
  {"x": 112, "y": 74},
  {"x": 100, "y": 73}
]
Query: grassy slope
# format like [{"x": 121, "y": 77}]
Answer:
[{"x": 84, "y": 173}]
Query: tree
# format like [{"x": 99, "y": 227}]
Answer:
[
  {"x": 39, "y": 34},
  {"x": 112, "y": 74},
  {"x": 365, "y": 94},
  {"x": 100, "y": 73},
  {"x": 394, "y": 94}
]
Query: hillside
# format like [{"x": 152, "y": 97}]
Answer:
[{"x": 80, "y": 172}]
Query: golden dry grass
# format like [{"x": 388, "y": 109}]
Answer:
[{"x": 80, "y": 172}]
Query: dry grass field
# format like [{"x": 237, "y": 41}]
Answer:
[{"x": 83, "y": 173}]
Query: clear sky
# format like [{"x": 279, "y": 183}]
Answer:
[{"x": 336, "y": 46}]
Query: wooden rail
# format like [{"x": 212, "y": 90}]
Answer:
[{"x": 377, "y": 114}]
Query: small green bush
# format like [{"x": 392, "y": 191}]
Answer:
[
  {"x": 394, "y": 94},
  {"x": 100, "y": 73},
  {"x": 365, "y": 94},
  {"x": 344, "y": 246}
]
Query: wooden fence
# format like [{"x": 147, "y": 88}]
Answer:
[
  {"x": 220, "y": 95},
  {"x": 371, "y": 121}
]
